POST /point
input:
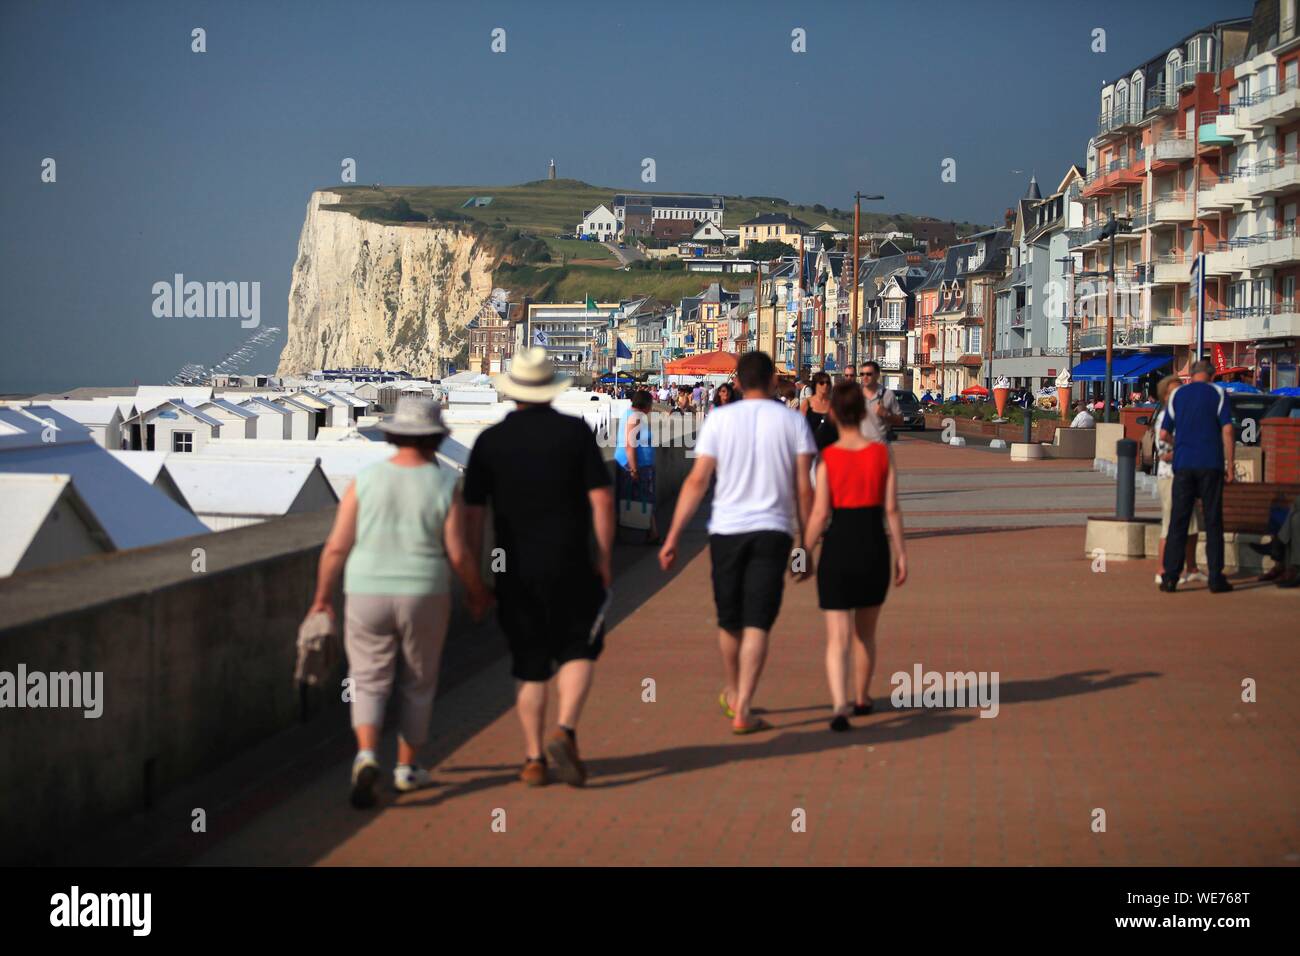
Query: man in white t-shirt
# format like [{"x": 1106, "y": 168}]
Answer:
[{"x": 762, "y": 454}]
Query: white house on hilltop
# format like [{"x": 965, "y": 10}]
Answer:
[{"x": 599, "y": 223}]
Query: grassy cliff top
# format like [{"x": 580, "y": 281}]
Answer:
[{"x": 552, "y": 207}]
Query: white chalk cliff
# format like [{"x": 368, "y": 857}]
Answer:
[{"x": 394, "y": 296}]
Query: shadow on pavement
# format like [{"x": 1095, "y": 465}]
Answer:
[{"x": 883, "y": 727}]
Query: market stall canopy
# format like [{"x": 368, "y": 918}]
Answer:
[
  {"x": 1124, "y": 368},
  {"x": 710, "y": 363}
]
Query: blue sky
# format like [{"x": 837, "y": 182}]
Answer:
[{"x": 171, "y": 161}]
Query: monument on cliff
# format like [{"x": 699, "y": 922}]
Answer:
[{"x": 550, "y": 173}]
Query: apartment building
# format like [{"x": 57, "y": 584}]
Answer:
[
  {"x": 491, "y": 337},
  {"x": 773, "y": 227},
  {"x": 1252, "y": 326},
  {"x": 1031, "y": 338},
  {"x": 701, "y": 208},
  {"x": 951, "y": 306},
  {"x": 887, "y": 311},
  {"x": 567, "y": 330},
  {"x": 1163, "y": 164}
]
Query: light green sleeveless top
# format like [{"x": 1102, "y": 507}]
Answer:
[{"x": 400, "y": 517}]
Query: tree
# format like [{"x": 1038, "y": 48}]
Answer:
[{"x": 765, "y": 251}]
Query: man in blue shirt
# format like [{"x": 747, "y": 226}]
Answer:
[{"x": 1199, "y": 423}]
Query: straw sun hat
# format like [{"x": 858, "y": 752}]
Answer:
[{"x": 531, "y": 378}]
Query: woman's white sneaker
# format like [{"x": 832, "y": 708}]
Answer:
[{"x": 408, "y": 777}]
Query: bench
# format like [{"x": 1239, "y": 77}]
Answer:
[{"x": 1246, "y": 505}]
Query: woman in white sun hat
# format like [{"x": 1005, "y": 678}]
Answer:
[{"x": 396, "y": 541}]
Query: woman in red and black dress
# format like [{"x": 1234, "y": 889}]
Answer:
[{"x": 856, "y": 494}]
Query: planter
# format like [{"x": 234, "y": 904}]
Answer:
[{"x": 1043, "y": 430}]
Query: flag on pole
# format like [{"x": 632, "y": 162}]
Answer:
[
  {"x": 591, "y": 304},
  {"x": 539, "y": 338},
  {"x": 622, "y": 351}
]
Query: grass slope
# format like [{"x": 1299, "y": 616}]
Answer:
[
  {"x": 551, "y": 208},
  {"x": 548, "y": 208}
]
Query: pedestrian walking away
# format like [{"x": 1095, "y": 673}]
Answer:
[
  {"x": 396, "y": 539},
  {"x": 856, "y": 495},
  {"x": 1198, "y": 422},
  {"x": 543, "y": 475},
  {"x": 761, "y": 454},
  {"x": 636, "y": 470}
]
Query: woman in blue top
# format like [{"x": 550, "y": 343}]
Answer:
[
  {"x": 636, "y": 472},
  {"x": 395, "y": 543}
]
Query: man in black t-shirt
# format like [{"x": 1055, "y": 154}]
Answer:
[{"x": 543, "y": 474}]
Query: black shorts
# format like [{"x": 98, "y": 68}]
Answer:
[
  {"x": 748, "y": 577},
  {"x": 549, "y": 624}
]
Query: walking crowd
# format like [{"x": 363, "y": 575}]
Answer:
[{"x": 803, "y": 487}]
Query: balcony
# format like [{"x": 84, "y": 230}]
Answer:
[
  {"x": 1216, "y": 128},
  {"x": 1227, "y": 191},
  {"x": 1186, "y": 74},
  {"x": 1227, "y": 258},
  {"x": 888, "y": 364},
  {"x": 1129, "y": 333},
  {"x": 1160, "y": 99},
  {"x": 1272, "y": 177},
  {"x": 1252, "y": 323},
  {"x": 1271, "y": 106},
  {"x": 1164, "y": 211},
  {"x": 945, "y": 356},
  {"x": 1173, "y": 330},
  {"x": 1119, "y": 120},
  {"x": 1172, "y": 268},
  {"x": 1051, "y": 351},
  {"x": 892, "y": 324},
  {"x": 1116, "y": 175},
  {"x": 1278, "y": 248},
  {"x": 1018, "y": 317},
  {"x": 1171, "y": 149}
]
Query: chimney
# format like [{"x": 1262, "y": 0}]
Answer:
[{"x": 1010, "y": 217}]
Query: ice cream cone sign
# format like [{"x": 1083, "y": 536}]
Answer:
[
  {"x": 1063, "y": 389},
  {"x": 1001, "y": 389}
]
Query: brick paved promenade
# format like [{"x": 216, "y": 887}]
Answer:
[{"x": 1113, "y": 696}]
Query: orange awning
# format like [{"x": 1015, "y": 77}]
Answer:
[{"x": 710, "y": 363}]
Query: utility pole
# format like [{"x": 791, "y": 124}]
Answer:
[
  {"x": 798, "y": 319},
  {"x": 857, "y": 231}
]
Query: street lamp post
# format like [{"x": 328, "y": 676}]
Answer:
[
  {"x": 1068, "y": 309},
  {"x": 857, "y": 231}
]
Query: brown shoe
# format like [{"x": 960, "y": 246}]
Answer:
[
  {"x": 534, "y": 773},
  {"x": 563, "y": 752}
]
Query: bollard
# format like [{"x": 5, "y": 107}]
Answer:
[
  {"x": 1029, "y": 423},
  {"x": 1125, "y": 473}
]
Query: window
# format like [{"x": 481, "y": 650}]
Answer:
[{"x": 182, "y": 441}]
